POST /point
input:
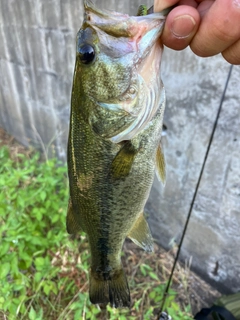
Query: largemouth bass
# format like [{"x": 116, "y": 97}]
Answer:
[{"x": 114, "y": 145}]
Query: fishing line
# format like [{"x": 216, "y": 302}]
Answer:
[{"x": 160, "y": 315}]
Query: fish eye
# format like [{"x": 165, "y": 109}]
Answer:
[{"x": 86, "y": 53}]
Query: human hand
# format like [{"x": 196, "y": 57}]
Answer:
[{"x": 209, "y": 27}]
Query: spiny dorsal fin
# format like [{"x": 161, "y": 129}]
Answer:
[
  {"x": 72, "y": 225},
  {"x": 123, "y": 161},
  {"x": 141, "y": 234},
  {"x": 160, "y": 165}
]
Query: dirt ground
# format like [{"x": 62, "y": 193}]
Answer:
[{"x": 190, "y": 287}]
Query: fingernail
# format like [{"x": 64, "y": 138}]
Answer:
[{"x": 183, "y": 26}]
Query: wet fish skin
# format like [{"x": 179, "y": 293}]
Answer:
[{"x": 114, "y": 147}]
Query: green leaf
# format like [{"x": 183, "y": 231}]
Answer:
[
  {"x": 152, "y": 294},
  {"x": 39, "y": 262},
  {"x": 2, "y": 301},
  {"x": 38, "y": 215},
  {"x": 4, "y": 270},
  {"x": 153, "y": 275},
  {"x": 37, "y": 277},
  {"x": 77, "y": 314},
  {"x": 74, "y": 306},
  {"x": 55, "y": 218},
  {"x": 32, "y": 314},
  {"x": 175, "y": 306},
  {"x": 46, "y": 288},
  {"x": 20, "y": 201},
  {"x": 4, "y": 248},
  {"x": 43, "y": 195},
  {"x": 18, "y": 287}
]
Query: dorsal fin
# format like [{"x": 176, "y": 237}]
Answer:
[{"x": 160, "y": 164}]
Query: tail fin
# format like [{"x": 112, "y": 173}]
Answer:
[{"x": 114, "y": 289}]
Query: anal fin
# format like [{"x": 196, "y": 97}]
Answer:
[
  {"x": 72, "y": 224},
  {"x": 160, "y": 165},
  {"x": 141, "y": 234}
]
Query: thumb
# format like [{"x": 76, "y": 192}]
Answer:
[{"x": 180, "y": 27}]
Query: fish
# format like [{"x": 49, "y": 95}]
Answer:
[{"x": 114, "y": 143}]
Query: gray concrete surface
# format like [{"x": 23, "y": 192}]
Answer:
[
  {"x": 37, "y": 54},
  {"x": 194, "y": 90}
]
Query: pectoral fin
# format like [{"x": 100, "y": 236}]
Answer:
[
  {"x": 72, "y": 224},
  {"x": 160, "y": 165},
  {"x": 123, "y": 161},
  {"x": 141, "y": 234}
]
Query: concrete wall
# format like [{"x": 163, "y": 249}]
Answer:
[
  {"x": 194, "y": 89},
  {"x": 37, "y": 54}
]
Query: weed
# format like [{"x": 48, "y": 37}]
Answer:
[{"x": 42, "y": 274}]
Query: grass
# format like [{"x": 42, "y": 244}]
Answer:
[{"x": 44, "y": 274}]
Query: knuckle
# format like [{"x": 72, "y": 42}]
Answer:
[{"x": 232, "y": 54}]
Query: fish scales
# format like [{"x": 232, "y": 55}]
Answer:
[{"x": 114, "y": 145}]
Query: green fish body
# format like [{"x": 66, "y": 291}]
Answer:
[{"x": 114, "y": 146}]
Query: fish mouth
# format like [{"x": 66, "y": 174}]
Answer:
[
  {"x": 122, "y": 25},
  {"x": 129, "y": 33}
]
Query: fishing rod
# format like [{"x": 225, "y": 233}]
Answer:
[{"x": 162, "y": 315}]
